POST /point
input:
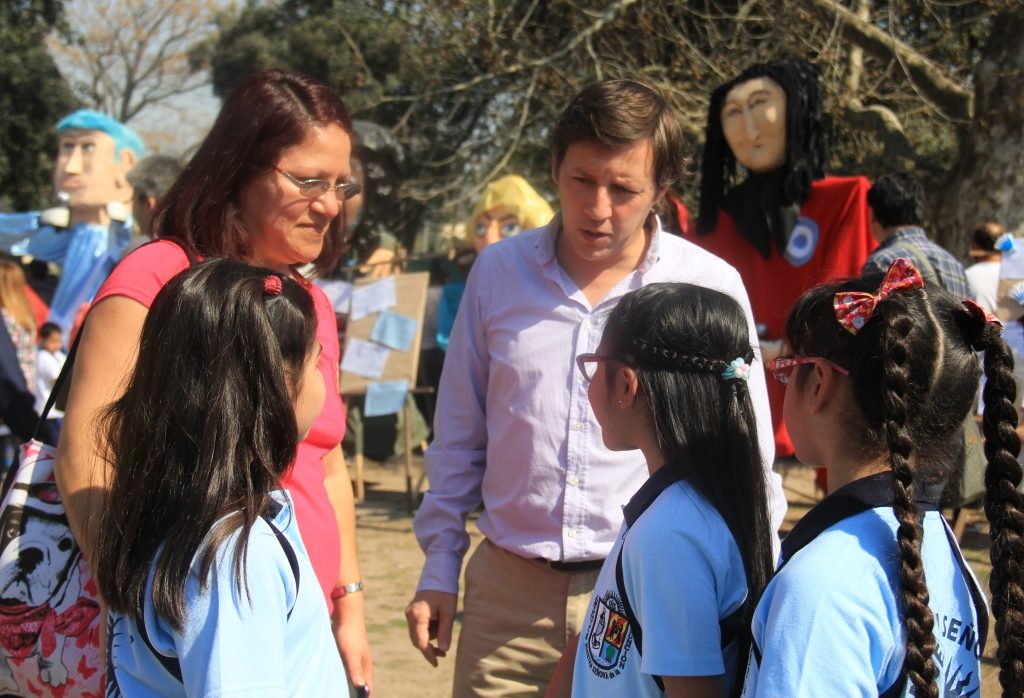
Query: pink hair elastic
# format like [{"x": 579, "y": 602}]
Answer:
[{"x": 272, "y": 285}]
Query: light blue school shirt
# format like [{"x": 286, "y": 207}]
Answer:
[
  {"x": 829, "y": 623},
  {"x": 229, "y": 646},
  {"x": 682, "y": 573}
]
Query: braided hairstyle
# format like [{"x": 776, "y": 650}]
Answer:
[
  {"x": 913, "y": 375},
  {"x": 679, "y": 338}
]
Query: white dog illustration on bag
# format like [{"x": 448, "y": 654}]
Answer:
[{"x": 40, "y": 585}]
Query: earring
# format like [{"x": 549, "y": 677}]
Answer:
[{"x": 620, "y": 402}]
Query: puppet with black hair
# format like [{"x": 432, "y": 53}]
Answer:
[{"x": 766, "y": 206}]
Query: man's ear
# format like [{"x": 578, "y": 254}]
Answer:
[{"x": 660, "y": 195}]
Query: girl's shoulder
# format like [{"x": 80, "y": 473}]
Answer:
[
  {"x": 851, "y": 565},
  {"x": 682, "y": 520}
]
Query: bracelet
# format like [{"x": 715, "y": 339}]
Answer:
[{"x": 343, "y": 590}]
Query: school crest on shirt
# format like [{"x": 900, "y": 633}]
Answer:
[{"x": 608, "y": 636}]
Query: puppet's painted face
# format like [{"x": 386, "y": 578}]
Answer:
[
  {"x": 87, "y": 170},
  {"x": 494, "y": 225},
  {"x": 754, "y": 124}
]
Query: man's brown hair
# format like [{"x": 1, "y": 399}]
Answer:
[{"x": 620, "y": 113}]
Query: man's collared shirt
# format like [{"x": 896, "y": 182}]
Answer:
[
  {"x": 514, "y": 428},
  {"x": 950, "y": 270}
]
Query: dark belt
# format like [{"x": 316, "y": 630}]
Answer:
[{"x": 577, "y": 566}]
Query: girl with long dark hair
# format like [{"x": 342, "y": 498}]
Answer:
[
  {"x": 873, "y": 596},
  {"x": 199, "y": 557},
  {"x": 670, "y": 612}
]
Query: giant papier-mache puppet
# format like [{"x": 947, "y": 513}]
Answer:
[
  {"x": 766, "y": 206},
  {"x": 507, "y": 206},
  {"x": 87, "y": 232}
]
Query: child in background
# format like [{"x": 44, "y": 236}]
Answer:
[
  {"x": 670, "y": 613},
  {"x": 873, "y": 596},
  {"x": 209, "y": 585},
  {"x": 49, "y": 361}
]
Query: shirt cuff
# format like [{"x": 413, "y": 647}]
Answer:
[{"x": 441, "y": 573}]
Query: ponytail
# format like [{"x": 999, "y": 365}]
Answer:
[{"x": 1003, "y": 508}]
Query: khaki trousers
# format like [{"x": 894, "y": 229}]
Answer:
[{"x": 517, "y": 617}]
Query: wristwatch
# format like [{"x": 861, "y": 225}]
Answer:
[{"x": 343, "y": 590}]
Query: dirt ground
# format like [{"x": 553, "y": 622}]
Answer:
[{"x": 391, "y": 561}]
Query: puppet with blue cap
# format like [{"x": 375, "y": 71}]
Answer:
[{"x": 86, "y": 233}]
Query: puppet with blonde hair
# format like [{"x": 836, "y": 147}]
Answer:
[{"x": 507, "y": 207}]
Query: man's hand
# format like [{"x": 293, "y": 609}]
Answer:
[{"x": 431, "y": 616}]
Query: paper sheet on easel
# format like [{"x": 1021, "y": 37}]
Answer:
[
  {"x": 394, "y": 330},
  {"x": 385, "y": 397},
  {"x": 365, "y": 358},
  {"x": 372, "y": 298},
  {"x": 340, "y": 293}
]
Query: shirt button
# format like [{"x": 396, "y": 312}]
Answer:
[
  {"x": 572, "y": 532},
  {"x": 573, "y": 480},
  {"x": 577, "y": 426}
]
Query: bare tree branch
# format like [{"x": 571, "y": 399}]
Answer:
[
  {"x": 133, "y": 54},
  {"x": 955, "y": 101}
]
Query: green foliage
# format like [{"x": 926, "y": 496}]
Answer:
[{"x": 33, "y": 97}]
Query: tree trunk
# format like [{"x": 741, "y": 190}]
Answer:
[{"x": 988, "y": 181}]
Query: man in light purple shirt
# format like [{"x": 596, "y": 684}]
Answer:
[{"x": 514, "y": 429}]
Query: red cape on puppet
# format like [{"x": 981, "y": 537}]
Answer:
[{"x": 833, "y": 238}]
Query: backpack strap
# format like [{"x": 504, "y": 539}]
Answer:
[
  {"x": 730, "y": 627},
  {"x": 857, "y": 497},
  {"x": 171, "y": 663}
]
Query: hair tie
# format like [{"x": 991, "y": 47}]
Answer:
[
  {"x": 737, "y": 369},
  {"x": 272, "y": 285},
  {"x": 981, "y": 315},
  {"x": 854, "y": 308}
]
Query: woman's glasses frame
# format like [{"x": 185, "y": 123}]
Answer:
[{"x": 315, "y": 188}]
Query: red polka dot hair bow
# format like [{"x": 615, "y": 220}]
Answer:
[{"x": 854, "y": 308}]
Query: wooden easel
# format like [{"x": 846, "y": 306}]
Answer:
[{"x": 411, "y": 301}]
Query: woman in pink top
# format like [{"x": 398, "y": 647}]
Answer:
[{"x": 266, "y": 186}]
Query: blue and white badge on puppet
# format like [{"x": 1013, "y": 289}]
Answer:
[
  {"x": 385, "y": 397},
  {"x": 803, "y": 241},
  {"x": 394, "y": 330}
]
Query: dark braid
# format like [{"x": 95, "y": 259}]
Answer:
[
  {"x": 918, "y": 617},
  {"x": 663, "y": 357},
  {"x": 1004, "y": 509}
]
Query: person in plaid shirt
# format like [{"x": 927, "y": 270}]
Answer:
[{"x": 896, "y": 203}]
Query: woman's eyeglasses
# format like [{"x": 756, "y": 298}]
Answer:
[
  {"x": 782, "y": 369},
  {"x": 587, "y": 364},
  {"x": 315, "y": 188}
]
